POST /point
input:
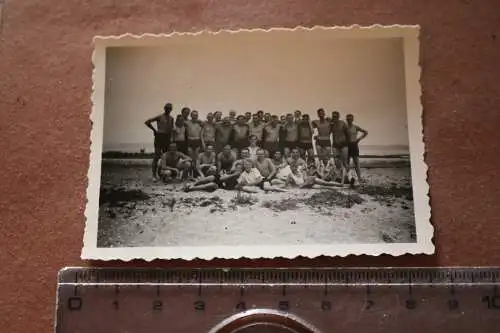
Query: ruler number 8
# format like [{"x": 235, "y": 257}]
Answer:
[{"x": 492, "y": 301}]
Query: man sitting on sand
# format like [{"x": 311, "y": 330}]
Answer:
[
  {"x": 268, "y": 171},
  {"x": 245, "y": 154},
  {"x": 322, "y": 176},
  {"x": 252, "y": 181},
  {"x": 289, "y": 171},
  {"x": 298, "y": 167},
  {"x": 211, "y": 183},
  {"x": 253, "y": 148},
  {"x": 225, "y": 160},
  {"x": 327, "y": 167},
  {"x": 207, "y": 163},
  {"x": 173, "y": 164}
]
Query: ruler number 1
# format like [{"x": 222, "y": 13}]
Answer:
[
  {"x": 157, "y": 305},
  {"x": 492, "y": 301}
]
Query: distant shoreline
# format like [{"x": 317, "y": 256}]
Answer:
[
  {"x": 365, "y": 162},
  {"x": 140, "y": 156}
]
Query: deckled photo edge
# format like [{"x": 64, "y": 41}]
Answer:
[
  {"x": 419, "y": 168},
  {"x": 425, "y": 230}
]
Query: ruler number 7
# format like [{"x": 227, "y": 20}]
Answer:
[{"x": 492, "y": 301}]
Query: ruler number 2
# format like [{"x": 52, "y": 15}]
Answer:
[{"x": 492, "y": 301}]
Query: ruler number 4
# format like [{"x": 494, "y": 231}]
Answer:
[{"x": 493, "y": 302}]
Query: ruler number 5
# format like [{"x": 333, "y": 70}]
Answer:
[{"x": 492, "y": 301}]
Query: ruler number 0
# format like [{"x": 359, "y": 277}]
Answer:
[
  {"x": 75, "y": 303},
  {"x": 492, "y": 301}
]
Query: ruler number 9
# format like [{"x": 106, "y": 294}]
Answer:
[{"x": 492, "y": 301}]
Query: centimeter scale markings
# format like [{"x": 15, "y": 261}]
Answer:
[{"x": 278, "y": 300}]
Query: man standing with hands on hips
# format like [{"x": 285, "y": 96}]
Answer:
[
  {"x": 162, "y": 134},
  {"x": 353, "y": 147}
]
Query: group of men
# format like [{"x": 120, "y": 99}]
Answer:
[{"x": 254, "y": 151}]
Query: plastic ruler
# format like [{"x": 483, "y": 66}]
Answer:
[{"x": 92, "y": 300}]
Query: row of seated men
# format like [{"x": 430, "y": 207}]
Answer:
[{"x": 253, "y": 170}]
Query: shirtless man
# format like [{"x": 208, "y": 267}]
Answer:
[
  {"x": 326, "y": 169},
  {"x": 291, "y": 132},
  {"x": 287, "y": 153},
  {"x": 185, "y": 112},
  {"x": 298, "y": 167},
  {"x": 305, "y": 137},
  {"x": 211, "y": 183},
  {"x": 322, "y": 176},
  {"x": 207, "y": 162},
  {"x": 232, "y": 117},
  {"x": 289, "y": 171},
  {"x": 353, "y": 147},
  {"x": 297, "y": 116},
  {"x": 340, "y": 139},
  {"x": 223, "y": 134},
  {"x": 245, "y": 155},
  {"x": 208, "y": 132},
  {"x": 217, "y": 117},
  {"x": 256, "y": 128},
  {"x": 179, "y": 134},
  {"x": 268, "y": 172},
  {"x": 265, "y": 165},
  {"x": 253, "y": 148},
  {"x": 239, "y": 134},
  {"x": 173, "y": 164},
  {"x": 271, "y": 137},
  {"x": 283, "y": 170},
  {"x": 193, "y": 134},
  {"x": 248, "y": 117},
  {"x": 260, "y": 115},
  {"x": 162, "y": 134},
  {"x": 225, "y": 160},
  {"x": 324, "y": 129}
]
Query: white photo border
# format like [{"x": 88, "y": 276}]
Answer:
[{"x": 420, "y": 186}]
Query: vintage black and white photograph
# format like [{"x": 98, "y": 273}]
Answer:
[{"x": 258, "y": 143}]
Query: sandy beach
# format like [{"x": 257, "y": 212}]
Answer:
[{"x": 136, "y": 212}]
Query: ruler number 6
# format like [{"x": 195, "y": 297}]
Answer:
[{"x": 492, "y": 301}]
